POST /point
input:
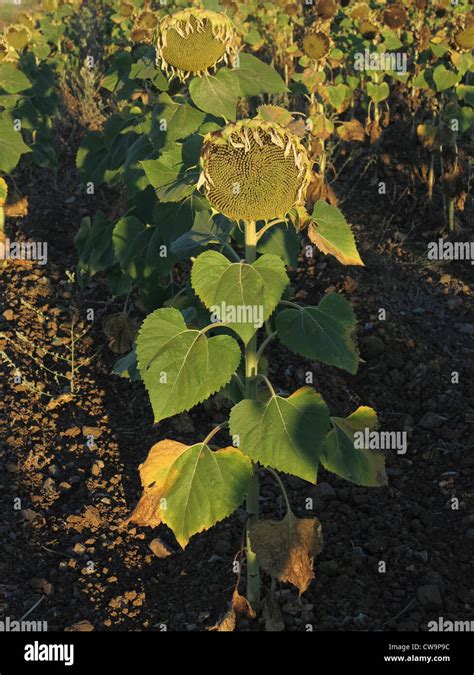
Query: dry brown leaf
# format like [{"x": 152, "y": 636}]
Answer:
[
  {"x": 239, "y": 607},
  {"x": 153, "y": 473},
  {"x": 286, "y": 548},
  {"x": 121, "y": 331},
  {"x": 272, "y": 614},
  {"x": 351, "y": 131},
  {"x": 17, "y": 209},
  {"x": 318, "y": 189}
]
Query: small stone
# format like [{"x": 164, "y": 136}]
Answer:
[
  {"x": 80, "y": 627},
  {"x": 8, "y": 315},
  {"x": 29, "y": 515},
  {"x": 325, "y": 491},
  {"x": 159, "y": 549},
  {"x": 328, "y": 567},
  {"x": 54, "y": 470},
  {"x": 12, "y": 468},
  {"x": 467, "y": 328},
  {"x": 95, "y": 432},
  {"x": 72, "y": 432},
  {"x": 430, "y": 597},
  {"x": 372, "y": 347},
  {"x": 49, "y": 485},
  {"x": 96, "y": 469},
  {"x": 79, "y": 548},
  {"x": 215, "y": 558},
  {"x": 431, "y": 420},
  {"x": 64, "y": 486}
]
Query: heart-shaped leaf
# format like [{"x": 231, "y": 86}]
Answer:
[
  {"x": 444, "y": 78},
  {"x": 190, "y": 488},
  {"x": 378, "y": 92},
  {"x": 241, "y": 295},
  {"x": 330, "y": 232},
  {"x": 12, "y": 145},
  {"x": 216, "y": 94},
  {"x": 179, "y": 366},
  {"x": 324, "y": 333},
  {"x": 360, "y": 465},
  {"x": 284, "y": 433}
]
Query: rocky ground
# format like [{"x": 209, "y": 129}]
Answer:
[{"x": 71, "y": 461}]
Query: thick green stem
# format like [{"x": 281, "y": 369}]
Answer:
[{"x": 251, "y": 369}]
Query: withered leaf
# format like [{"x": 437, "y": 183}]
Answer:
[
  {"x": 351, "y": 131},
  {"x": 17, "y": 209},
  {"x": 272, "y": 614},
  {"x": 239, "y": 607},
  {"x": 121, "y": 331},
  {"x": 153, "y": 473},
  {"x": 286, "y": 548}
]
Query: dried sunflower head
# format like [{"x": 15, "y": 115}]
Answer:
[
  {"x": 17, "y": 36},
  {"x": 317, "y": 44},
  {"x": 395, "y": 16},
  {"x": 193, "y": 40},
  {"x": 3, "y": 192},
  {"x": 254, "y": 170}
]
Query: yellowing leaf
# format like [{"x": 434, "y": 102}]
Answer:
[
  {"x": 286, "y": 548},
  {"x": 190, "y": 488},
  {"x": 330, "y": 232},
  {"x": 239, "y": 607}
]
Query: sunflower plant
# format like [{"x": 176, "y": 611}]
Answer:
[{"x": 254, "y": 175}]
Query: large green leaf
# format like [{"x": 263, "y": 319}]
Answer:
[
  {"x": 94, "y": 245},
  {"x": 182, "y": 367},
  {"x": 256, "y": 77},
  {"x": 444, "y": 78},
  {"x": 324, "y": 333},
  {"x": 286, "y": 434},
  {"x": 12, "y": 145},
  {"x": 330, "y": 232},
  {"x": 217, "y": 94},
  {"x": 362, "y": 466},
  {"x": 140, "y": 250},
  {"x": 12, "y": 79},
  {"x": 190, "y": 488},
  {"x": 173, "y": 120},
  {"x": 169, "y": 176},
  {"x": 206, "y": 230},
  {"x": 249, "y": 293}
]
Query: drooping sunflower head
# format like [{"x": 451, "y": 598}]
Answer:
[
  {"x": 3, "y": 192},
  {"x": 360, "y": 11},
  {"x": 395, "y": 16},
  {"x": 254, "y": 170},
  {"x": 368, "y": 29},
  {"x": 464, "y": 35},
  {"x": 126, "y": 8},
  {"x": 326, "y": 9},
  {"x": 193, "y": 40},
  {"x": 317, "y": 44},
  {"x": 17, "y": 36}
]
